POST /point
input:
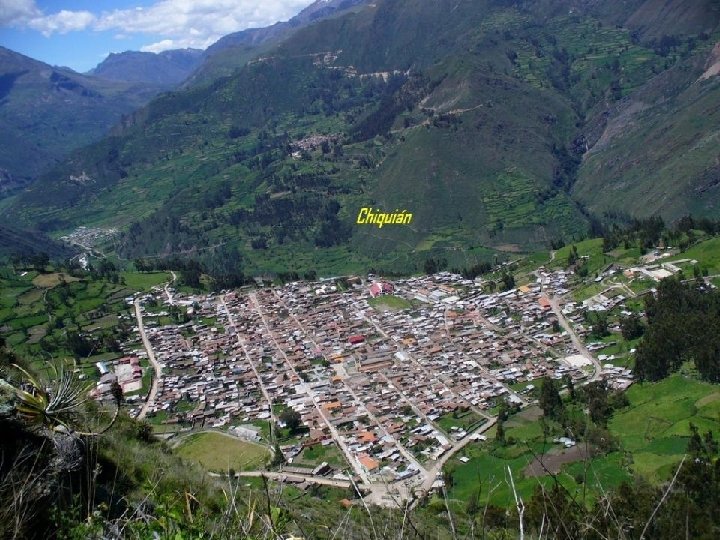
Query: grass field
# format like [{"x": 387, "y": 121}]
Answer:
[
  {"x": 389, "y": 303},
  {"x": 465, "y": 420},
  {"x": 652, "y": 434},
  {"x": 144, "y": 281},
  {"x": 707, "y": 254},
  {"x": 318, "y": 453},
  {"x": 656, "y": 425},
  {"x": 219, "y": 452},
  {"x": 587, "y": 248},
  {"x": 48, "y": 281}
]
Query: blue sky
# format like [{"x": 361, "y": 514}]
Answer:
[{"x": 80, "y": 33}]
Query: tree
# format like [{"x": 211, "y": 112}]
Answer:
[
  {"x": 291, "y": 419},
  {"x": 40, "y": 261},
  {"x": 550, "y": 400},
  {"x": 278, "y": 457},
  {"x": 190, "y": 275},
  {"x": 117, "y": 393},
  {"x": 572, "y": 256},
  {"x": 508, "y": 281},
  {"x": 599, "y": 322},
  {"x": 448, "y": 477},
  {"x": 473, "y": 504},
  {"x": 632, "y": 327},
  {"x": 500, "y": 431},
  {"x": 78, "y": 344}
]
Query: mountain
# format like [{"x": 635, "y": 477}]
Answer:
[
  {"x": 17, "y": 241},
  {"x": 320, "y": 9},
  {"x": 498, "y": 124},
  {"x": 48, "y": 111},
  {"x": 167, "y": 68},
  {"x": 235, "y": 50},
  {"x": 659, "y": 146}
]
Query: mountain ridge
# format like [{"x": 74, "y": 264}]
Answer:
[
  {"x": 167, "y": 68},
  {"x": 48, "y": 111},
  {"x": 470, "y": 115}
]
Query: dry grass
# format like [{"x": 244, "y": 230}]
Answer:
[{"x": 49, "y": 281}]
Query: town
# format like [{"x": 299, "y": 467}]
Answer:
[{"x": 396, "y": 376}]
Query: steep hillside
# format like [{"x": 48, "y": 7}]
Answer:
[
  {"x": 14, "y": 241},
  {"x": 167, "y": 68},
  {"x": 659, "y": 146},
  {"x": 47, "y": 111},
  {"x": 233, "y": 51},
  {"x": 472, "y": 116},
  {"x": 657, "y": 18}
]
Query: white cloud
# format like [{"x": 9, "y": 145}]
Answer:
[
  {"x": 17, "y": 12},
  {"x": 178, "y": 23},
  {"x": 62, "y": 22},
  {"x": 197, "y": 23},
  {"x": 167, "y": 44}
]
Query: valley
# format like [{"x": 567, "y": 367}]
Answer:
[
  {"x": 381, "y": 269},
  {"x": 436, "y": 126}
]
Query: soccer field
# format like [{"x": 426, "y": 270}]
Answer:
[{"x": 218, "y": 452}]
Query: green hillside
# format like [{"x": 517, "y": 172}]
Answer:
[
  {"x": 488, "y": 121},
  {"x": 660, "y": 147},
  {"x": 46, "y": 112}
]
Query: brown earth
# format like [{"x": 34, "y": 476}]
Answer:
[{"x": 553, "y": 461}]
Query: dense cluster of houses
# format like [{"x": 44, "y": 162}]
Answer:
[{"x": 385, "y": 386}]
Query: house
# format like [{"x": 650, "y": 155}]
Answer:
[
  {"x": 381, "y": 287},
  {"x": 368, "y": 463},
  {"x": 357, "y": 338}
]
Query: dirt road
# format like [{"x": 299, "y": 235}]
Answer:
[{"x": 153, "y": 362}]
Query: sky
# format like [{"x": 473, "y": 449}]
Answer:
[{"x": 80, "y": 33}]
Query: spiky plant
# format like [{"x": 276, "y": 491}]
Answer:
[{"x": 57, "y": 405}]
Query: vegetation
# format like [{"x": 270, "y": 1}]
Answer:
[
  {"x": 76, "y": 110},
  {"x": 220, "y": 452},
  {"x": 683, "y": 324},
  {"x": 497, "y": 133},
  {"x": 247, "y": 181},
  {"x": 390, "y": 302}
]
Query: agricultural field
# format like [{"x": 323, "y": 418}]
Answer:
[
  {"x": 706, "y": 253},
  {"x": 656, "y": 425},
  {"x": 314, "y": 455},
  {"x": 220, "y": 452},
  {"x": 466, "y": 421},
  {"x": 144, "y": 281},
  {"x": 57, "y": 315},
  {"x": 652, "y": 435}
]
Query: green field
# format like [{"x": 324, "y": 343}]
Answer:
[
  {"x": 219, "y": 452},
  {"x": 587, "y": 248},
  {"x": 706, "y": 253},
  {"x": 656, "y": 425},
  {"x": 144, "y": 281},
  {"x": 318, "y": 453},
  {"x": 467, "y": 420},
  {"x": 652, "y": 434},
  {"x": 389, "y": 303}
]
